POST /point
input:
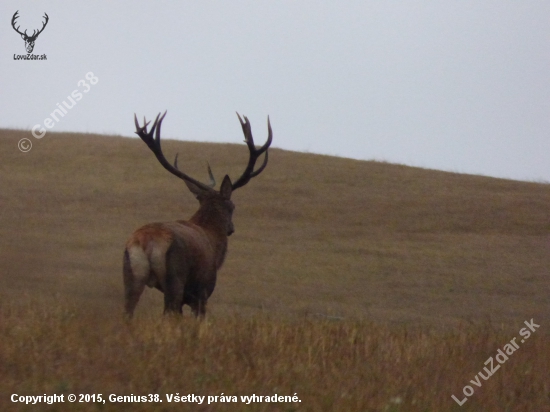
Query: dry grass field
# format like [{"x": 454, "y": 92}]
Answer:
[{"x": 357, "y": 286}]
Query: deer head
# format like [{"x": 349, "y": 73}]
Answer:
[
  {"x": 210, "y": 199},
  {"x": 29, "y": 40}
]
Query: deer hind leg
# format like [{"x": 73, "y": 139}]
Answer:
[
  {"x": 197, "y": 301},
  {"x": 199, "y": 309},
  {"x": 173, "y": 295},
  {"x": 176, "y": 275},
  {"x": 135, "y": 269}
]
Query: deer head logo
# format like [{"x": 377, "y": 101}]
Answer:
[{"x": 29, "y": 40}]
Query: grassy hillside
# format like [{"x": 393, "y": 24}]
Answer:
[
  {"x": 314, "y": 234},
  {"x": 441, "y": 264}
]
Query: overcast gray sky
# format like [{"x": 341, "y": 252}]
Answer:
[{"x": 453, "y": 85}]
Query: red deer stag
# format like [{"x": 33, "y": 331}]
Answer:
[{"x": 181, "y": 258}]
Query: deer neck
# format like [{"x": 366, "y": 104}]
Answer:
[{"x": 215, "y": 228}]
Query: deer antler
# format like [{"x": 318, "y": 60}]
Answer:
[
  {"x": 43, "y": 26},
  {"x": 249, "y": 172},
  {"x": 34, "y": 33},
  {"x": 154, "y": 144}
]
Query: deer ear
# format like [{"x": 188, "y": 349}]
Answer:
[
  {"x": 197, "y": 191},
  {"x": 226, "y": 188}
]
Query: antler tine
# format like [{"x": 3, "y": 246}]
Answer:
[
  {"x": 264, "y": 148},
  {"x": 212, "y": 183},
  {"x": 147, "y": 137},
  {"x": 152, "y": 140},
  {"x": 156, "y": 125},
  {"x": 140, "y": 129},
  {"x": 145, "y": 124},
  {"x": 269, "y": 137},
  {"x": 249, "y": 172}
]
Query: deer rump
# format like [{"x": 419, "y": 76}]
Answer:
[{"x": 177, "y": 258}]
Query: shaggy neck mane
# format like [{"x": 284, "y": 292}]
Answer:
[
  {"x": 213, "y": 222},
  {"x": 210, "y": 218}
]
